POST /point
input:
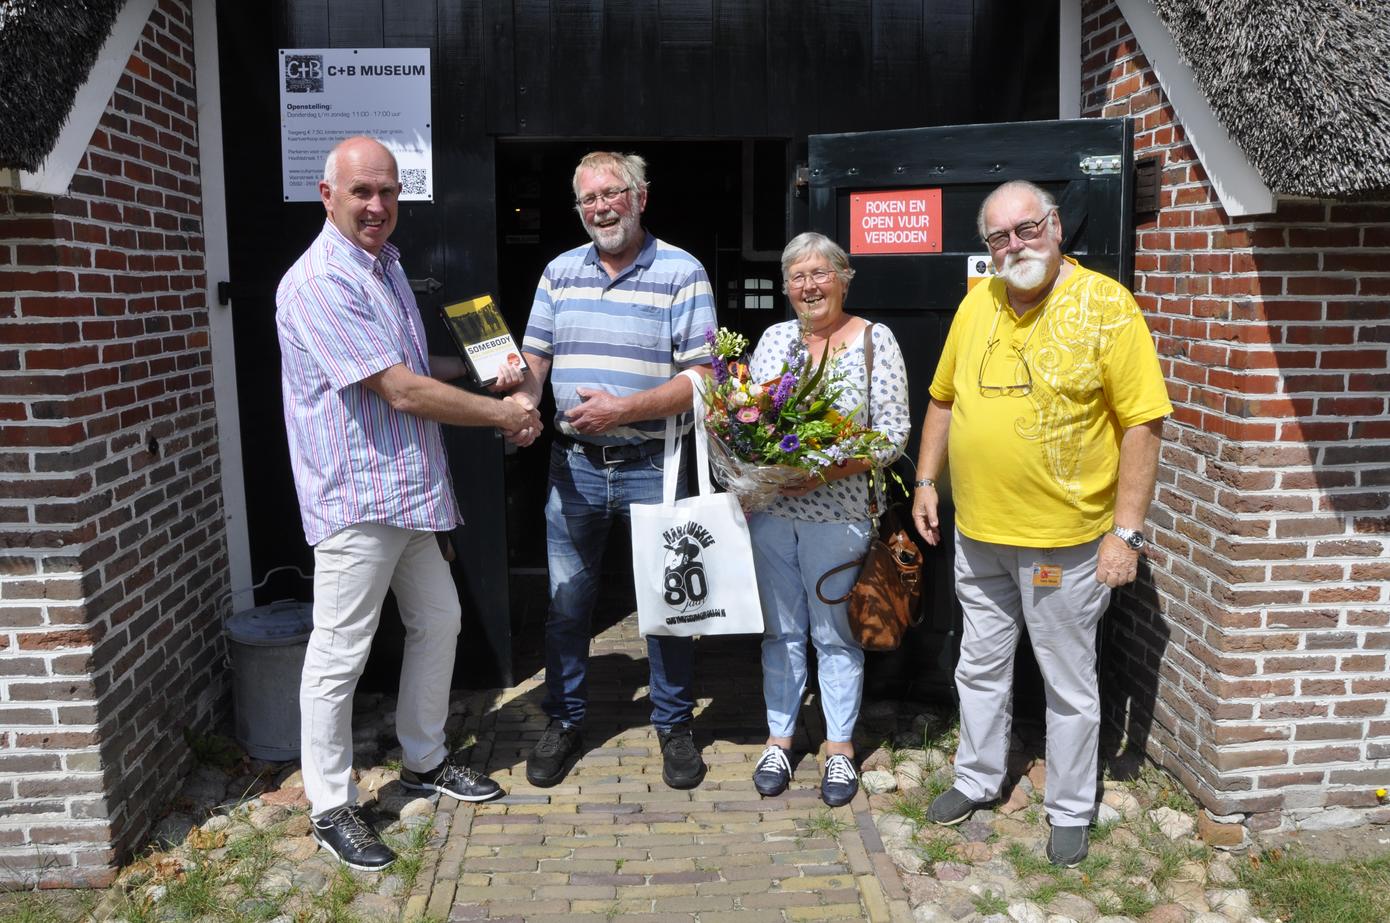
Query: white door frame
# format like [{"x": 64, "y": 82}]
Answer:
[{"x": 217, "y": 264}]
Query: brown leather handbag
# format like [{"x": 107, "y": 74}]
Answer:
[{"x": 885, "y": 599}]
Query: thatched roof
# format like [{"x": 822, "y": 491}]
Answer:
[
  {"x": 47, "y": 49},
  {"x": 1303, "y": 86}
]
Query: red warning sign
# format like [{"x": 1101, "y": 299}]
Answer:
[{"x": 903, "y": 221}]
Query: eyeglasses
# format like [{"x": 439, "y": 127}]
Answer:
[
  {"x": 609, "y": 196},
  {"x": 818, "y": 276},
  {"x": 1025, "y": 231},
  {"x": 1019, "y": 388}
]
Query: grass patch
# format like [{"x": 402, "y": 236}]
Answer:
[
  {"x": 36, "y": 907},
  {"x": 1132, "y": 903},
  {"x": 1101, "y": 832},
  {"x": 214, "y": 750},
  {"x": 913, "y": 807},
  {"x": 989, "y": 903},
  {"x": 944, "y": 736},
  {"x": 332, "y": 905},
  {"x": 1293, "y": 887},
  {"x": 1025, "y": 862},
  {"x": 936, "y": 848},
  {"x": 1164, "y": 791},
  {"x": 824, "y": 823},
  {"x": 410, "y": 854}
]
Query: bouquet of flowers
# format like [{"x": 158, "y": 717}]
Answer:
[{"x": 766, "y": 435}]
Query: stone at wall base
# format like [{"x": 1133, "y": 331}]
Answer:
[{"x": 1221, "y": 836}]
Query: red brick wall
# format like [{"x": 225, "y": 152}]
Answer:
[
  {"x": 1258, "y": 645},
  {"x": 112, "y": 548}
]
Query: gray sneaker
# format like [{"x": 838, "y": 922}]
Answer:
[
  {"x": 1067, "y": 846},
  {"x": 951, "y": 807}
]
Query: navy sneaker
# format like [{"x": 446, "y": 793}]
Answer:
[
  {"x": 448, "y": 778},
  {"x": 840, "y": 782},
  {"x": 773, "y": 773},
  {"x": 346, "y": 835}
]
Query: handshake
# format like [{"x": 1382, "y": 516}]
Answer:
[{"x": 523, "y": 421}]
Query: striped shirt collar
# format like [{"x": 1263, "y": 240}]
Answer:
[
  {"x": 645, "y": 257},
  {"x": 378, "y": 265}
]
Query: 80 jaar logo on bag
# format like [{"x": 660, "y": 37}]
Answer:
[{"x": 683, "y": 581}]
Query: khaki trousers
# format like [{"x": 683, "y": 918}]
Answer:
[{"x": 995, "y": 587}]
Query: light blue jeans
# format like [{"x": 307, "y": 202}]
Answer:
[{"x": 790, "y": 556}]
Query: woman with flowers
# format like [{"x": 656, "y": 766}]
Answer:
[{"x": 820, "y": 519}]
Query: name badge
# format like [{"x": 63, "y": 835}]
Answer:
[{"x": 1047, "y": 575}]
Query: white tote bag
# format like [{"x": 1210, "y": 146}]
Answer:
[{"x": 692, "y": 559}]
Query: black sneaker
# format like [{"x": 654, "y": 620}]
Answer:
[
  {"x": 346, "y": 835},
  {"x": 1067, "y": 846},
  {"x": 456, "y": 781},
  {"x": 840, "y": 783},
  {"x": 773, "y": 773},
  {"x": 951, "y": 807},
  {"x": 553, "y": 755},
  {"x": 681, "y": 766}
]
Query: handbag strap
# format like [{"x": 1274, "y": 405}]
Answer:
[
  {"x": 832, "y": 572},
  {"x": 869, "y": 408},
  {"x": 671, "y": 462}
]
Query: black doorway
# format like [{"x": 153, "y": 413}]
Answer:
[{"x": 724, "y": 201}]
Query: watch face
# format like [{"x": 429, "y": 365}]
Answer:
[{"x": 1135, "y": 540}]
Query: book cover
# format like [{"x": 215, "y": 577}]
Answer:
[{"x": 482, "y": 337}]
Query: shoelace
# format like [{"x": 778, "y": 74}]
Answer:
[
  {"x": 682, "y": 746},
  {"x": 452, "y": 772},
  {"x": 839, "y": 770},
  {"x": 550, "y": 740},
  {"x": 353, "y": 827},
  {"x": 773, "y": 760}
]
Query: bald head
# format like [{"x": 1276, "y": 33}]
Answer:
[
  {"x": 353, "y": 148},
  {"x": 360, "y": 192},
  {"x": 1014, "y": 188}
]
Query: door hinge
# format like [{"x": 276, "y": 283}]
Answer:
[
  {"x": 1101, "y": 164},
  {"x": 224, "y": 293},
  {"x": 428, "y": 285}
]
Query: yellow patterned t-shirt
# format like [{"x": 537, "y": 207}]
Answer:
[{"x": 1037, "y": 466}]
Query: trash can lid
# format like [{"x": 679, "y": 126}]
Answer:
[{"x": 280, "y": 623}]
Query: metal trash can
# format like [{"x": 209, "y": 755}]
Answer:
[{"x": 266, "y": 647}]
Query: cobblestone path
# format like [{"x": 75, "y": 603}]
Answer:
[{"x": 613, "y": 841}]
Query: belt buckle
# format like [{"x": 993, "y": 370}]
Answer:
[{"x": 616, "y": 460}]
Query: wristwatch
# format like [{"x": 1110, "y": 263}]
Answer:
[
  {"x": 924, "y": 482},
  {"x": 1131, "y": 537}
]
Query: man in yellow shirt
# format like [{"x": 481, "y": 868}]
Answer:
[{"x": 1050, "y": 399}]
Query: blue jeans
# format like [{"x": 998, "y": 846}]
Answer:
[
  {"x": 582, "y": 503},
  {"x": 790, "y": 556}
]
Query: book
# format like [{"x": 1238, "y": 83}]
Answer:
[{"x": 482, "y": 337}]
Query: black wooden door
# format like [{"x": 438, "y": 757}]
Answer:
[
  {"x": 1086, "y": 164},
  {"x": 450, "y": 240}
]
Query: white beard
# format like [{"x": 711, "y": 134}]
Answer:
[
  {"x": 1024, "y": 273},
  {"x": 616, "y": 238}
]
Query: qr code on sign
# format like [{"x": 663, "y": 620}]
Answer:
[{"x": 413, "y": 181}]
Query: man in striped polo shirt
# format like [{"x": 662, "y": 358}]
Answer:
[
  {"x": 612, "y": 326},
  {"x": 363, "y": 403}
]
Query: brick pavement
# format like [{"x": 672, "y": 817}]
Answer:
[{"x": 613, "y": 840}]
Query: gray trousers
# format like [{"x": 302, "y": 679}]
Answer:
[{"x": 995, "y": 586}]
